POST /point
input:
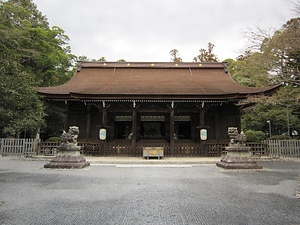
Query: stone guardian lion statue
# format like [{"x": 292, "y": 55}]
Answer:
[
  {"x": 70, "y": 137},
  {"x": 235, "y": 137}
]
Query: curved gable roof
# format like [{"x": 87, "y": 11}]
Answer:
[{"x": 96, "y": 80}]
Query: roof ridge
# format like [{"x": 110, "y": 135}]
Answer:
[{"x": 90, "y": 64}]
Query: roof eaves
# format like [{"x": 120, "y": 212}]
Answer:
[{"x": 158, "y": 96}]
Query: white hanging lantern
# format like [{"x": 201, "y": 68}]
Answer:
[
  {"x": 102, "y": 134},
  {"x": 203, "y": 134}
]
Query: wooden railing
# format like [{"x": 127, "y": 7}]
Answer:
[
  {"x": 284, "y": 148},
  {"x": 48, "y": 148},
  {"x": 180, "y": 150},
  {"x": 31, "y": 147},
  {"x": 18, "y": 147},
  {"x": 209, "y": 149},
  {"x": 258, "y": 149}
]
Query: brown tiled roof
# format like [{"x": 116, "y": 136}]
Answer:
[{"x": 99, "y": 80}]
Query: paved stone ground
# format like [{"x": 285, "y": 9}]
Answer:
[{"x": 148, "y": 194}]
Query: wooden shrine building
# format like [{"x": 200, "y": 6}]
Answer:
[{"x": 152, "y": 104}]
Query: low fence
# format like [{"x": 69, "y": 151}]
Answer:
[
  {"x": 208, "y": 149},
  {"x": 48, "y": 148},
  {"x": 258, "y": 149},
  {"x": 284, "y": 148},
  {"x": 180, "y": 150},
  {"x": 18, "y": 147},
  {"x": 273, "y": 148},
  {"x": 32, "y": 147}
]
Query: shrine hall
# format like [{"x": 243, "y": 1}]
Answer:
[{"x": 152, "y": 104}]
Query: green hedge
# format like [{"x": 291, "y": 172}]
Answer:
[
  {"x": 53, "y": 139},
  {"x": 255, "y": 136},
  {"x": 280, "y": 137}
]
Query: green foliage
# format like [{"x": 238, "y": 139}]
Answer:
[
  {"x": 53, "y": 139},
  {"x": 206, "y": 55},
  {"x": 84, "y": 58},
  {"x": 279, "y": 115},
  {"x": 280, "y": 137},
  {"x": 20, "y": 14},
  {"x": 20, "y": 108},
  {"x": 249, "y": 70},
  {"x": 28, "y": 40},
  {"x": 49, "y": 60},
  {"x": 255, "y": 136},
  {"x": 54, "y": 118},
  {"x": 31, "y": 54},
  {"x": 276, "y": 61},
  {"x": 282, "y": 51},
  {"x": 103, "y": 59},
  {"x": 175, "y": 56}
]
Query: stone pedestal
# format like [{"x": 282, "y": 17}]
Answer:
[
  {"x": 238, "y": 157},
  {"x": 68, "y": 157}
]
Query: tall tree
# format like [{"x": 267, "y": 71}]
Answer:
[
  {"x": 85, "y": 58},
  {"x": 283, "y": 53},
  {"x": 31, "y": 54},
  {"x": 175, "y": 56},
  {"x": 206, "y": 55},
  {"x": 41, "y": 51},
  {"x": 277, "y": 58},
  {"x": 102, "y": 59},
  {"x": 249, "y": 70},
  {"x": 280, "y": 117},
  {"x": 20, "y": 107}
]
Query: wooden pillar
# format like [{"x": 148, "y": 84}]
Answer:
[
  {"x": 88, "y": 121},
  {"x": 104, "y": 124},
  {"x": 202, "y": 123},
  {"x": 217, "y": 126},
  {"x": 194, "y": 131},
  {"x": 239, "y": 125},
  {"x": 66, "y": 125},
  {"x": 104, "y": 115},
  {"x": 172, "y": 129},
  {"x": 134, "y": 129}
]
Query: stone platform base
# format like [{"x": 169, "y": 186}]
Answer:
[
  {"x": 232, "y": 162},
  {"x": 67, "y": 162}
]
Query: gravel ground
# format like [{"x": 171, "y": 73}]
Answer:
[{"x": 148, "y": 194}]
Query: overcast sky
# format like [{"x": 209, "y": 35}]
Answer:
[{"x": 146, "y": 30}]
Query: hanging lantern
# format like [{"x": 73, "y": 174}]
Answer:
[
  {"x": 102, "y": 134},
  {"x": 203, "y": 134}
]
